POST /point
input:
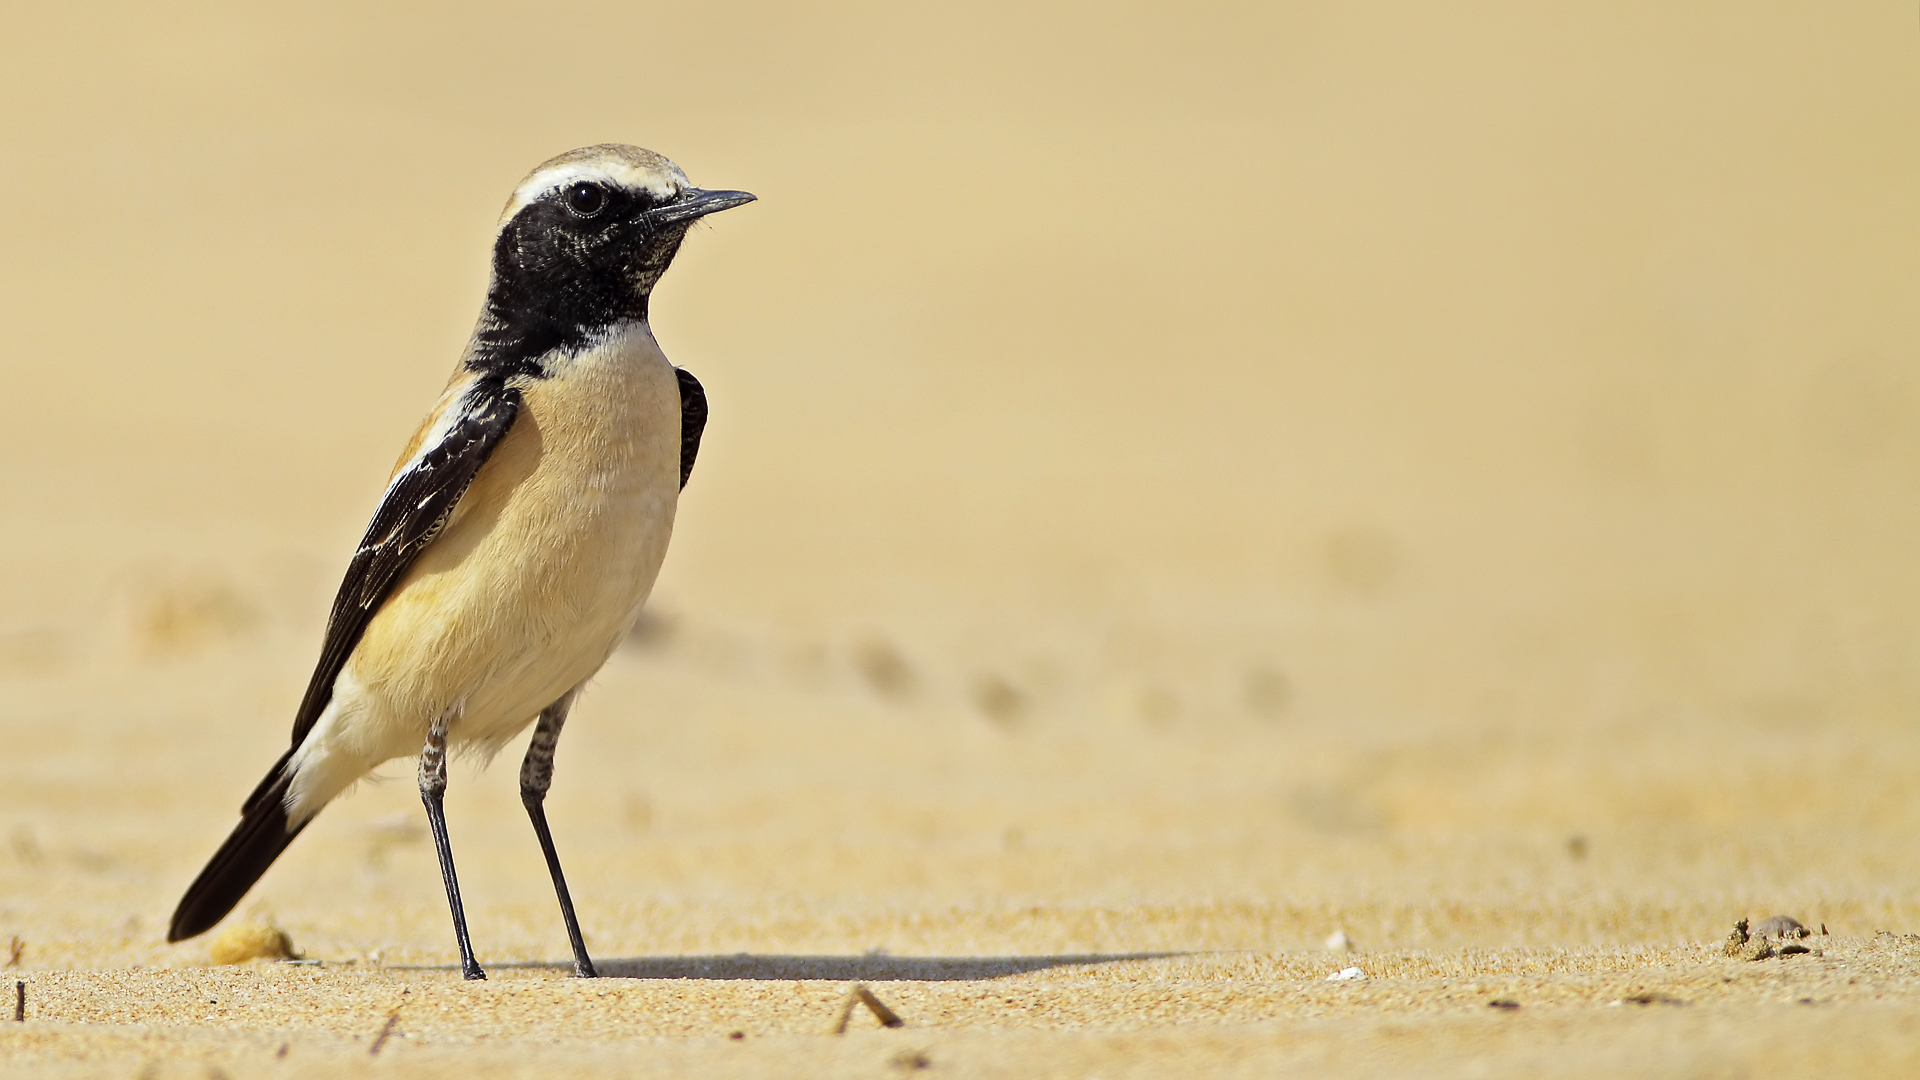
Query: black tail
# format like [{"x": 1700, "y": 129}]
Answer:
[{"x": 258, "y": 840}]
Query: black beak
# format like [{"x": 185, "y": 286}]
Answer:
[{"x": 696, "y": 203}]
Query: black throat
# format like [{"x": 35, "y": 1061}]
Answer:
[{"x": 558, "y": 287}]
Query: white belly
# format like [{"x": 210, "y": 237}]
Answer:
[{"x": 539, "y": 574}]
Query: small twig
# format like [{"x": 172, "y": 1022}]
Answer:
[
  {"x": 886, "y": 1016},
  {"x": 846, "y": 1013},
  {"x": 19, "y": 1000},
  {"x": 380, "y": 1040},
  {"x": 15, "y": 949},
  {"x": 860, "y": 994}
]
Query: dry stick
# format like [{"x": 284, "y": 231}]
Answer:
[
  {"x": 386, "y": 1032},
  {"x": 19, "y": 1000},
  {"x": 15, "y": 948},
  {"x": 860, "y": 993},
  {"x": 886, "y": 1016},
  {"x": 846, "y": 1013}
]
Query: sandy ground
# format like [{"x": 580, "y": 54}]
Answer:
[
  {"x": 1183, "y": 482},
  {"x": 753, "y": 826},
  {"x": 1063, "y": 895}
]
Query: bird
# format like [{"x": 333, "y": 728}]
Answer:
[{"x": 519, "y": 535}]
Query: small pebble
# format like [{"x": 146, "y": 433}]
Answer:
[
  {"x": 1338, "y": 941},
  {"x": 252, "y": 941},
  {"x": 1781, "y": 927},
  {"x": 1346, "y": 975}
]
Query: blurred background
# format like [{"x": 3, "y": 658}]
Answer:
[{"x": 1390, "y": 416}]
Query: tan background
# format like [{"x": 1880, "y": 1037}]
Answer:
[{"x": 1225, "y": 472}]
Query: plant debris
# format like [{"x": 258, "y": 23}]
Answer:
[
  {"x": 860, "y": 995},
  {"x": 1776, "y": 936}
]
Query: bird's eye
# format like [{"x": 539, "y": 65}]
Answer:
[{"x": 586, "y": 200}]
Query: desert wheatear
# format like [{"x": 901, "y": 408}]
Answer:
[{"x": 520, "y": 533}]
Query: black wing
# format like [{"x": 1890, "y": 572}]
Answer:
[
  {"x": 693, "y": 421},
  {"x": 416, "y": 507}
]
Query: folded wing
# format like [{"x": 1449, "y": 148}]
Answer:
[
  {"x": 693, "y": 421},
  {"x": 418, "y": 502}
]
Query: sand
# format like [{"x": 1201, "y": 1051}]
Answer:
[{"x": 1183, "y": 484}]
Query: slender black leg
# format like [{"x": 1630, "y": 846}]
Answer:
[
  {"x": 536, "y": 775},
  {"x": 433, "y": 790}
]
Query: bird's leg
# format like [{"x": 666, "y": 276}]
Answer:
[
  {"x": 536, "y": 775},
  {"x": 433, "y": 790}
]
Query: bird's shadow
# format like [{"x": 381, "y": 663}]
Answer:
[{"x": 870, "y": 967}]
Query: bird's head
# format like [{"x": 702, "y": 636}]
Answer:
[{"x": 588, "y": 234}]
